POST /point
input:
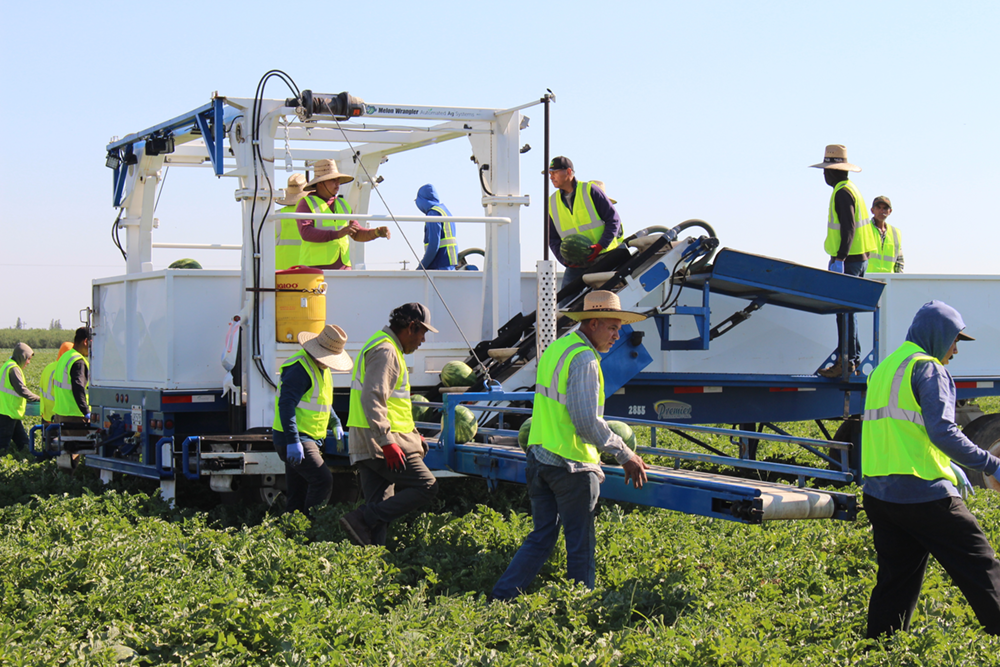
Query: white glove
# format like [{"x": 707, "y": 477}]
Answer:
[
  {"x": 964, "y": 485},
  {"x": 339, "y": 432}
]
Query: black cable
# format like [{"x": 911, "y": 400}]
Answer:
[{"x": 115, "y": 238}]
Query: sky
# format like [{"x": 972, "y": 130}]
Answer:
[{"x": 709, "y": 110}]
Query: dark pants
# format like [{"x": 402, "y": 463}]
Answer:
[
  {"x": 558, "y": 498},
  {"x": 309, "y": 483},
  {"x": 571, "y": 273},
  {"x": 850, "y": 321},
  {"x": 904, "y": 535},
  {"x": 390, "y": 494},
  {"x": 12, "y": 430}
]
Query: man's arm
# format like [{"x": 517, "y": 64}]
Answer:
[
  {"x": 898, "y": 267},
  {"x": 934, "y": 390},
  {"x": 583, "y": 387},
  {"x": 607, "y": 213},
  {"x": 20, "y": 388},
  {"x": 79, "y": 377},
  {"x": 381, "y": 372},
  {"x": 295, "y": 382},
  {"x": 844, "y": 204},
  {"x": 309, "y": 232},
  {"x": 432, "y": 237}
]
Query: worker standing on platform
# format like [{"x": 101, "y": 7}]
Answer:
[
  {"x": 579, "y": 208},
  {"x": 383, "y": 440},
  {"x": 563, "y": 464},
  {"x": 888, "y": 255},
  {"x": 910, "y": 440},
  {"x": 304, "y": 413},
  {"x": 14, "y": 397},
  {"x": 287, "y": 241},
  {"x": 440, "y": 243},
  {"x": 46, "y": 383},
  {"x": 71, "y": 382},
  {"x": 849, "y": 239},
  {"x": 325, "y": 243}
]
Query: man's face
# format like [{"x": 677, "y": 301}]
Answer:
[
  {"x": 560, "y": 177},
  {"x": 412, "y": 337},
  {"x": 880, "y": 212},
  {"x": 328, "y": 189},
  {"x": 85, "y": 348},
  {"x": 952, "y": 351},
  {"x": 602, "y": 332},
  {"x": 832, "y": 176}
]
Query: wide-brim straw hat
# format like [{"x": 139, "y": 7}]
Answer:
[
  {"x": 326, "y": 170},
  {"x": 294, "y": 191},
  {"x": 327, "y": 347},
  {"x": 604, "y": 304},
  {"x": 836, "y": 158},
  {"x": 600, "y": 184}
]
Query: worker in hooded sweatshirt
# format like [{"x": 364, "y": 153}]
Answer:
[
  {"x": 14, "y": 397},
  {"x": 440, "y": 244}
]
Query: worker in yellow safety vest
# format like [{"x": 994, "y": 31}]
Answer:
[
  {"x": 887, "y": 257},
  {"x": 849, "y": 239},
  {"x": 912, "y": 485},
  {"x": 45, "y": 382},
  {"x": 325, "y": 243},
  {"x": 303, "y": 414},
  {"x": 71, "y": 382},
  {"x": 578, "y": 207},
  {"x": 440, "y": 243},
  {"x": 14, "y": 397},
  {"x": 287, "y": 241},
  {"x": 382, "y": 439},
  {"x": 567, "y": 434}
]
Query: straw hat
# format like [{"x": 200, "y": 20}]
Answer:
[
  {"x": 602, "y": 303},
  {"x": 327, "y": 347},
  {"x": 326, "y": 170},
  {"x": 836, "y": 158},
  {"x": 294, "y": 191},
  {"x": 600, "y": 184}
]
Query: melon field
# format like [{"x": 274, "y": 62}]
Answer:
[{"x": 96, "y": 575}]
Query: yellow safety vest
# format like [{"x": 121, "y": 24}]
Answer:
[
  {"x": 864, "y": 232},
  {"x": 62, "y": 386},
  {"x": 323, "y": 254},
  {"x": 287, "y": 241},
  {"x": 583, "y": 219},
  {"x": 448, "y": 239},
  {"x": 12, "y": 404},
  {"x": 48, "y": 403},
  {"x": 551, "y": 426},
  {"x": 398, "y": 402},
  {"x": 312, "y": 414},
  {"x": 883, "y": 258},
  {"x": 894, "y": 439}
]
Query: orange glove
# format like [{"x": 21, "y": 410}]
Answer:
[{"x": 595, "y": 250}]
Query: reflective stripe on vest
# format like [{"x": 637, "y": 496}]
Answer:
[
  {"x": 583, "y": 219},
  {"x": 448, "y": 239},
  {"x": 12, "y": 403},
  {"x": 48, "y": 402},
  {"x": 287, "y": 241},
  {"x": 323, "y": 254},
  {"x": 894, "y": 439},
  {"x": 62, "y": 386},
  {"x": 864, "y": 231},
  {"x": 312, "y": 413},
  {"x": 400, "y": 411},
  {"x": 883, "y": 258},
  {"x": 551, "y": 425}
]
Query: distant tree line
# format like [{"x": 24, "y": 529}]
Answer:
[{"x": 37, "y": 339}]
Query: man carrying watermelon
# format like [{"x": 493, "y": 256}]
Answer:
[
  {"x": 579, "y": 209},
  {"x": 383, "y": 440},
  {"x": 568, "y": 434}
]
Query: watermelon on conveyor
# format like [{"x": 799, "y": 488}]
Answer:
[
  {"x": 419, "y": 411},
  {"x": 575, "y": 249},
  {"x": 457, "y": 374},
  {"x": 623, "y": 431},
  {"x": 465, "y": 425},
  {"x": 186, "y": 263},
  {"x": 522, "y": 434}
]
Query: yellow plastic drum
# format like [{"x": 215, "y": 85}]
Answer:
[{"x": 300, "y": 310}]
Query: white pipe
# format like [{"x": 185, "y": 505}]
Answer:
[{"x": 274, "y": 217}]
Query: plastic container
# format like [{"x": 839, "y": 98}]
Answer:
[{"x": 303, "y": 309}]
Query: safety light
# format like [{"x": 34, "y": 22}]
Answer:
[
  {"x": 113, "y": 161},
  {"x": 160, "y": 144}
]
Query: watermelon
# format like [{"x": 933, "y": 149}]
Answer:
[
  {"x": 522, "y": 434},
  {"x": 624, "y": 431},
  {"x": 465, "y": 425},
  {"x": 457, "y": 374},
  {"x": 575, "y": 249},
  {"x": 185, "y": 263},
  {"x": 419, "y": 411}
]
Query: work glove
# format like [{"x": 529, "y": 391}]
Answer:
[
  {"x": 339, "y": 432},
  {"x": 294, "y": 453},
  {"x": 964, "y": 485},
  {"x": 595, "y": 250},
  {"x": 394, "y": 457},
  {"x": 87, "y": 417},
  {"x": 837, "y": 265},
  {"x": 996, "y": 475}
]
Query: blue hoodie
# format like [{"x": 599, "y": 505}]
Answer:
[
  {"x": 934, "y": 329},
  {"x": 435, "y": 257}
]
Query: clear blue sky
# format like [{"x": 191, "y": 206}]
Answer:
[{"x": 710, "y": 110}]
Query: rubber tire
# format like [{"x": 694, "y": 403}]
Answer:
[
  {"x": 850, "y": 431},
  {"x": 984, "y": 432}
]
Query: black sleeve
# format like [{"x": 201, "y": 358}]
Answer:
[
  {"x": 843, "y": 203},
  {"x": 79, "y": 377}
]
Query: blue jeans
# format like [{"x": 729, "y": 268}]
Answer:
[
  {"x": 558, "y": 497},
  {"x": 852, "y": 268}
]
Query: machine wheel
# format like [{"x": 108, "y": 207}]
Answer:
[{"x": 985, "y": 432}]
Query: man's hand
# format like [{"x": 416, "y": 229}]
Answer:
[
  {"x": 294, "y": 453},
  {"x": 338, "y": 432},
  {"x": 635, "y": 471},
  {"x": 394, "y": 457},
  {"x": 837, "y": 265},
  {"x": 384, "y": 233},
  {"x": 353, "y": 227},
  {"x": 595, "y": 250}
]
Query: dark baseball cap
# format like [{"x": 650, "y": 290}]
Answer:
[
  {"x": 419, "y": 312},
  {"x": 560, "y": 163},
  {"x": 881, "y": 199}
]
